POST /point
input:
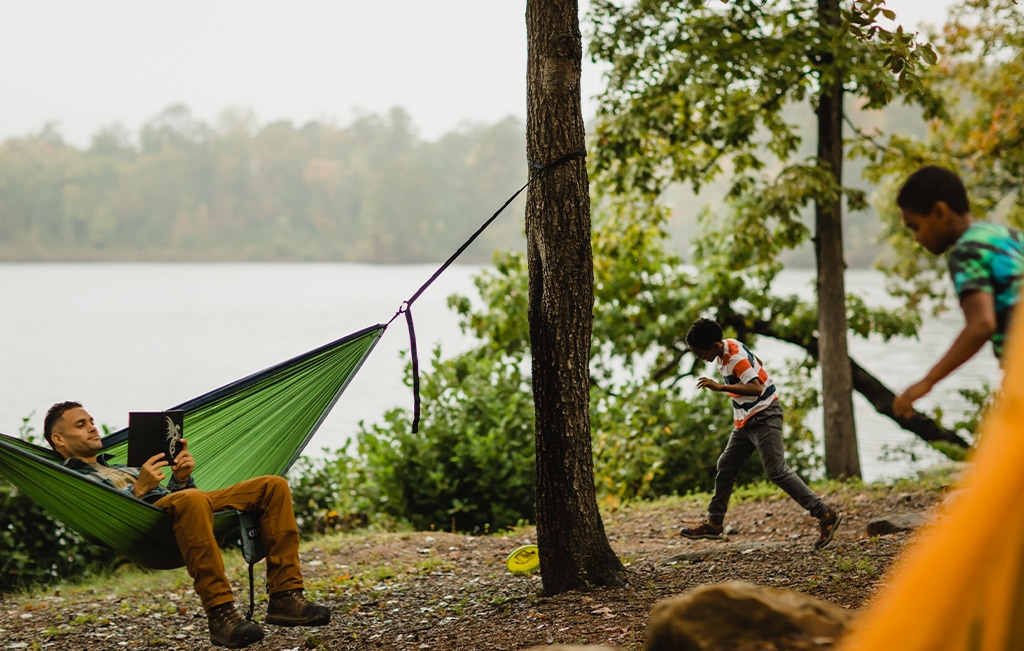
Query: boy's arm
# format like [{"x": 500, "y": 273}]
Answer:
[
  {"x": 979, "y": 325},
  {"x": 753, "y": 388}
]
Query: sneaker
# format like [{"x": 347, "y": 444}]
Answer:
[
  {"x": 290, "y": 608},
  {"x": 228, "y": 628},
  {"x": 707, "y": 529},
  {"x": 827, "y": 525}
]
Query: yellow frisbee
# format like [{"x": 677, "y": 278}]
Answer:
[{"x": 523, "y": 560}]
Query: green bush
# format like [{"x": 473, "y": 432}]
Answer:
[
  {"x": 39, "y": 549},
  {"x": 321, "y": 486},
  {"x": 36, "y": 547},
  {"x": 660, "y": 444},
  {"x": 471, "y": 465}
]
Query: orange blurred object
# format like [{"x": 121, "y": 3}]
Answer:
[{"x": 960, "y": 583}]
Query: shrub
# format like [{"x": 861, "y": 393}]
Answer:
[
  {"x": 324, "y": 486},
  {"x": 654, "y": 443},
  {"x": 471, "y": 465},
  {"x": 38, "y": 548}
]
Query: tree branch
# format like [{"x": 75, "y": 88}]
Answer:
[
  {"x": 866, "y": 384},
  {"x": 769, "y": 103}
]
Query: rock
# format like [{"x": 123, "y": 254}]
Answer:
[
  {"x": 951, "y": 497},
  {"x": 737, "y": 614},
  {"x": 895, "y": 522}
]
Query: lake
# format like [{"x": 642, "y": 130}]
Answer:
[{"x": 132, "y": 337}]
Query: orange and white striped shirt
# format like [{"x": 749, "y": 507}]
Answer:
[{"x": 740, "y": 366}]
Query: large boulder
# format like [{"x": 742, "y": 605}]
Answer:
[{"x": 740, "y": 615}]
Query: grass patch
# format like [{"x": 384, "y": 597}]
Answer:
[
  {"x": 127, "y": 580},
  {"x": 433, "y": 564}
]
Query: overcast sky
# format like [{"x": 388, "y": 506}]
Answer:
[{"x": 89, "y": 64}]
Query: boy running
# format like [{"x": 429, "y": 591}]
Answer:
[
  {"x": 757, "y": 418},
  {"x": 986, "y": 264}
]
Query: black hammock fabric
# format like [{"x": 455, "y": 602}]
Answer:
[{"x": 255, "y": 426}]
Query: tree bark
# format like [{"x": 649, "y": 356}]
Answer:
[
  {"x": 841, "y": 457},
  {"x": 574, "y": 549}
]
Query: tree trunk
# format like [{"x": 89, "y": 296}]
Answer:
[
  {"x": 574, "y": 550},
  {"x": 841, "y": 457}
]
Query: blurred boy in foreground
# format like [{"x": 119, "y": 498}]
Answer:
[{"x": 986, "y": 264}]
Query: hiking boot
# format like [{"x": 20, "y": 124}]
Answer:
[
  {"x": 827, "y": 525},
  {"x": 707, "y": 529},
  {"x": 290, "y": 608},
  {"x": 228, "y": 628}
]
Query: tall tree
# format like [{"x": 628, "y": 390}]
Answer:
[
  {"x": 982, "y": 48},
  {"x": 697, "y": 89},
  {"x": 841, "y": 457},
  {"x": 980, "y": 134},
  {"x": 574, "y": 550}
]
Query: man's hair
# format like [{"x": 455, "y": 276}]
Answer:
[
  {"x": 930, "y": 184},
  {"x": 703, "y": 333},
  {"x": 53, "y": 414}
]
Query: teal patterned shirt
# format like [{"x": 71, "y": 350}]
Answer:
[{"x": 990, "y": 258}]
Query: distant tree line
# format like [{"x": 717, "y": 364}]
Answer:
[
  {"x": 181, "y": 189},
  {"x": 372, "y": 191}
]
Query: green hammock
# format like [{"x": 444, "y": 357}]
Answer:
[{"x": 255, "y": 426}]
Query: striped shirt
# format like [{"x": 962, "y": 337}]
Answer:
[{"x": 739, "y": 366}]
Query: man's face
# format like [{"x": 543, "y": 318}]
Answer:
[
  {"x": 933, "y": 231},
  {"x": 75, "y": 434}
]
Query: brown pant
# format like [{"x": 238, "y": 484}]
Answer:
[{"x": 192, "y": 511}]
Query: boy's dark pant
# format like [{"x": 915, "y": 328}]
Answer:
[{"x": 762, "y": 432}]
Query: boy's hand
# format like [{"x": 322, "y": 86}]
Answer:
[
  {"x": 903, "y": 404},
  {"x": 979, "y": 325},
  {"x": 708, "y": 383}
]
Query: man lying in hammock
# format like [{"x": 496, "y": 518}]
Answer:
[{"x": 70, "y": 430}]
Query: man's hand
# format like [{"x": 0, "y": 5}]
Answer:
[
  {"x": 150, "y": 475},
  {"x": 903, "y": 404},
  {"x": 184, "y": 464},
  {"x": 708, "y": 383}
]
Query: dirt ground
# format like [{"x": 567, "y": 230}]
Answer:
[{"x": 438, "y": 591}]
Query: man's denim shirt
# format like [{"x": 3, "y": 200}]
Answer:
[{"x": 152, "y": 496}]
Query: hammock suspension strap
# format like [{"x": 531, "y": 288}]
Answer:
[{"x": 407, "y": 305}]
